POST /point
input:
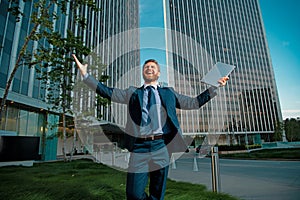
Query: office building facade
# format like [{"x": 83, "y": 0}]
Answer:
[
  {"x": 25, "y": 114},
  {"x": 232, "y": 32},
  {"x": 26, "y": 103}
]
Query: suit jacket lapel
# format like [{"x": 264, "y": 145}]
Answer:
[
  {"x": 163, "y": 97},
  {"x": 140, "y": 93}
]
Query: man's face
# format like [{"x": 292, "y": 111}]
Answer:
[{"x": 151, "y": 72}]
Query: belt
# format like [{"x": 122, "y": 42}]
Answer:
[{"x": 149, "y": 138}]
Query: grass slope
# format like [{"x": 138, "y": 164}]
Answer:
[{"x": 83, "y": 179}]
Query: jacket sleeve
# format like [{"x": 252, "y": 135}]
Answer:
[
  {"x": 113, "y": 94},
  {"x": 206, "y": 96},
  {"x": 189, "y": 103}
]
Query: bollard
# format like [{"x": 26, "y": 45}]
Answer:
[
  {"x": 113, "y": 158},
  {"x": 100, "y": 156},
  {"x": 173, "y": 162},
  {"x": 215, "y": 169},
  {"x": 96, "y": 156},
  {"x": 195, "y": 167}
]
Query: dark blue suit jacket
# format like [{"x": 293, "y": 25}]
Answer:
[{"x": 170, "y": 100}]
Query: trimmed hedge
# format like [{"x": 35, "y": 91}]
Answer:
[{"x": 237, "y": 147}]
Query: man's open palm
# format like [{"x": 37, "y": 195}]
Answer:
[{"x": 82, "y": 68}]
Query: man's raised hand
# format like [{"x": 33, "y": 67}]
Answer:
[
  {"x": 222, "y": 81},
  {"x": 82, "y": 68}
]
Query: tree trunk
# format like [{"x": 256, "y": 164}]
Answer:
[
  {"x": 20, "y": 57},
  {"x": 11, "y": 76},
  {"x": 64, "y": 136},
  {"x": 74, "y": 148}
]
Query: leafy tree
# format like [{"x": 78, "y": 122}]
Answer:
[
  {"x": 278, "y": 131},
  {"x": 292, "y": 129},
  {"x": 83, "y": 112},
  {"x": 63, "y": 101},
  {"x": 52, "y": 56},
  {"x": 81, "y": 90}
]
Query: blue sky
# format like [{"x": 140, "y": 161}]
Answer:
[{"x": 282, "y": 25}]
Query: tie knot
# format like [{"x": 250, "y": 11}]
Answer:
[{"x": 149, "y": 87}]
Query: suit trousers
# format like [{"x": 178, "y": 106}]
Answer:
[{"x": 148, "y": 160}]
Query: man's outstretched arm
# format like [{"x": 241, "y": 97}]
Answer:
[{"x": 113, "y": 94}]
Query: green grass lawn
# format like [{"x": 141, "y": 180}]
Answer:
[
  {"x": 83, "y": 179},
  {"x": 285, "y": 154}
]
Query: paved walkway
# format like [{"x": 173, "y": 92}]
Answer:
[{"x": 249, "y": 180}]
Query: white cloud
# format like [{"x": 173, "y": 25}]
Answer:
[
  {"x": 142, "y": 5},
  {"x": 290, "y": 113},
  {"x": 285, "y": 43}
]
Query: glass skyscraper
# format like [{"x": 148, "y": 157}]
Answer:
[
  {"x": 26, "y": 108},
  {"x": 232, "y": 32},
  {"x": 25, "y": 114},
  {"x": 113, "y": 35}
]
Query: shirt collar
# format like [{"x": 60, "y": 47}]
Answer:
[{"x": 155, "y": 85}]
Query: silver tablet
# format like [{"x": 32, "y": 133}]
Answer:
[{"x": 218, "y": 71}]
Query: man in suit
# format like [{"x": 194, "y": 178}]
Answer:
[{"x": 153, "y": 130}]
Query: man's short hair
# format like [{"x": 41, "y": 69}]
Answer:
[{"x": 151, "y": 60}]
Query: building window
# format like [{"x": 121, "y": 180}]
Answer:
[
  {"x": 11, "y": 119},
  {"x": 23, "y": 122}
]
